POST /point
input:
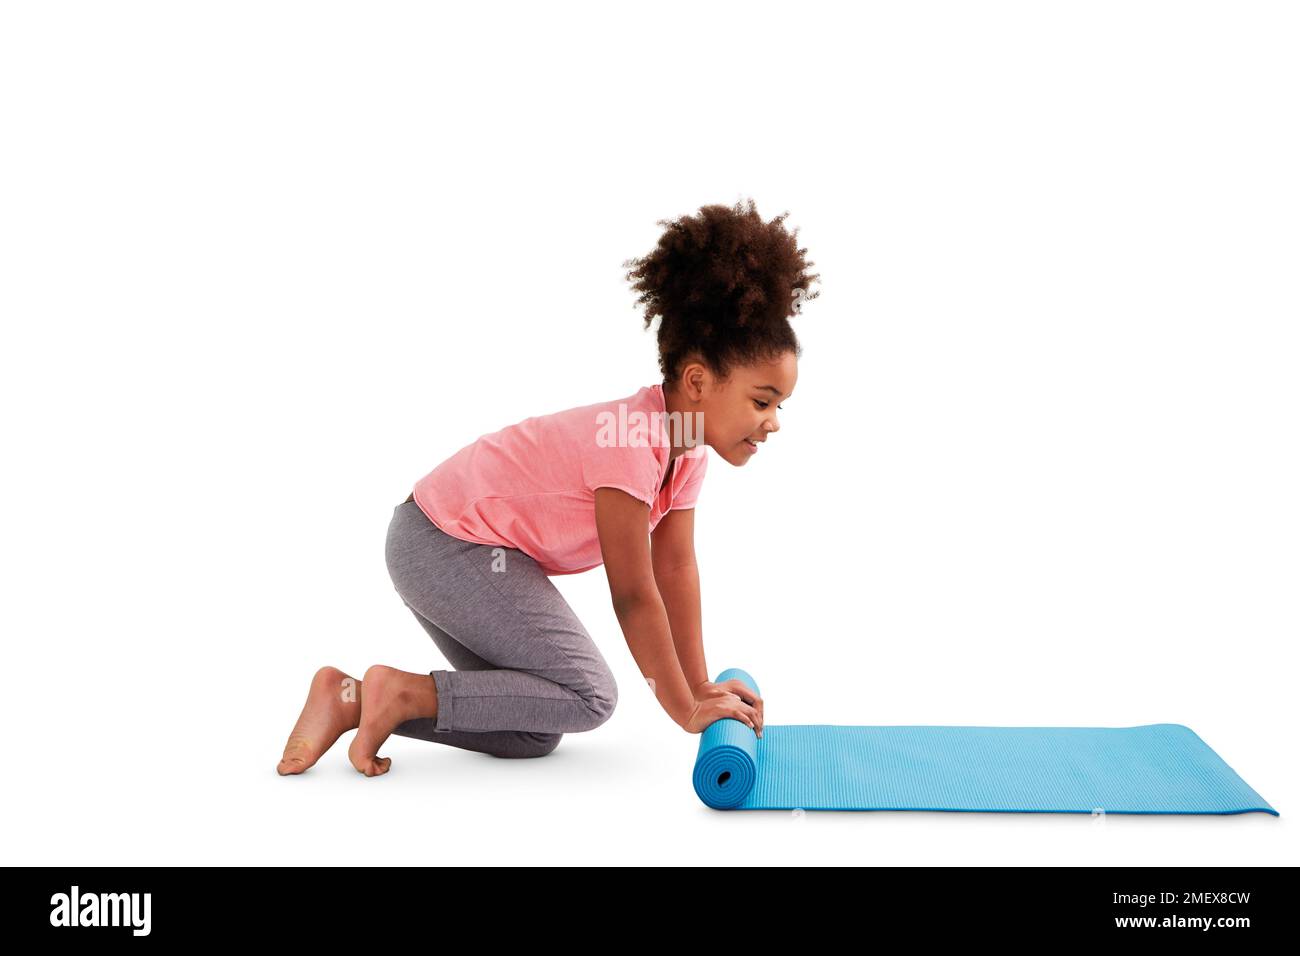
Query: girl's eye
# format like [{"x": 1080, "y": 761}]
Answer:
[{"x": 765, "y": 404}]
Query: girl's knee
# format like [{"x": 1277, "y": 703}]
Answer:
[{"x": 603, "y": 703}]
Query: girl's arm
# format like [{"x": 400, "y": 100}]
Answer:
[
  {"x": 621, "y": 522},
  {"x": 678, "y": 580}
]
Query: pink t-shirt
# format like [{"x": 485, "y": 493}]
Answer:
[{"x": 532, "y": 485}]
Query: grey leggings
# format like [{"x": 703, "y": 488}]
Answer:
[{"x": 526, "y": 670}]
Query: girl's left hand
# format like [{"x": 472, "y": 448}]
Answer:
[{"x": 733, "y": 686}]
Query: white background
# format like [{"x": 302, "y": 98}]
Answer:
[{"x": 266, "y": 264}]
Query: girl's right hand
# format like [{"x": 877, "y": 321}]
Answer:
[{"x": 712, "y": 709}]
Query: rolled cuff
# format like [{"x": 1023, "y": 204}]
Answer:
[{"x": 446, "y": 700}]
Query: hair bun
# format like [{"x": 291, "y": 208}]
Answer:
[{"x": 725, "y": 284}]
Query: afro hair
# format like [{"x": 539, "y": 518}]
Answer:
[{"x": 725, "y": 284}]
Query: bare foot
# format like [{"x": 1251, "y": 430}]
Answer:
[
  {"x": 333, "y": 706},
  {"x": 391, "y": 697}
]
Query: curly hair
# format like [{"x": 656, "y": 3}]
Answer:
[{"x": 724, "y": 284}]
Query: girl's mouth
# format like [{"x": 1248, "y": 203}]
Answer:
[{"x": 750, "y": 445}]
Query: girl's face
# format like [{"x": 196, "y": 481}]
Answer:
[{"x": 740, "y": 413}]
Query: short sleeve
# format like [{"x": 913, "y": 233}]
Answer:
[
  {"x": 631, "y": 468},
  {"x": 691, "y": 490}
]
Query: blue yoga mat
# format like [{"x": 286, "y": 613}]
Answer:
[{"x": 1154, "y": 768}]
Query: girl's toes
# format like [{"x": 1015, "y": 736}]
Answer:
[
  {"x": 375, "y": 766},
  {"x": 291, "y": 765}
]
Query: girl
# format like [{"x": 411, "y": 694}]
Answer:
[{"x": 472, "y": 549}]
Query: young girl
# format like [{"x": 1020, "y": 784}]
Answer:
[{"x": 472, "y": 549}]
